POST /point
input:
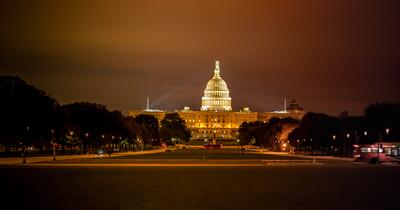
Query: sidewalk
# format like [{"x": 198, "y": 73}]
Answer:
[
  {"x": 18, "y": 160},
  {"x": 309, "y": 156}
]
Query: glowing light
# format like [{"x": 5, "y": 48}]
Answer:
[{"x": 387, "y": 130}]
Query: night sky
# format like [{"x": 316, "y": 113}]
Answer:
[{"x": 331, "y": 55}]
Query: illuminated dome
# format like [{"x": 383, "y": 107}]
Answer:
[
  {"x": 216, "y": 84},
  {"x": 216, "y": 95}
]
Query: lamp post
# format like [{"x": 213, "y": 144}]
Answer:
[
  {"x": 112, "y": 142},
  {"x": 365, "y": 135},
  {"x": 110, "y": 148},
  {"x": 347, "y": 145},
  {"x": 387, "y": 130},
  {"x": 103, "y": 136},
  {"x": 24, "y": 149},
  {"x": 54, "y": 144},
  {"x": 120, "y": 138},
  {"x": 333, "y": 147},
  {"x": 377, "y": 157},
  {"x": 85, "y": 145}
]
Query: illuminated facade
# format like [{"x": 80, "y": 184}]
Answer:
[{"x": 216, "y": 118}]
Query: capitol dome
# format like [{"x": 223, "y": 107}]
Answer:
[
  {"x": 216, "y": 84},
  {"x": 216, "y": 95}
]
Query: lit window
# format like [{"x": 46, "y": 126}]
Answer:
[{"x": 365, "y": 150}]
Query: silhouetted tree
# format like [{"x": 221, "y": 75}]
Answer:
[
  {"x": 90, "y": 122},
  {"x": 383, "y": 116},
  {"x": 173, "y": 126},
  {"x": 27, "y": 113},
  {"x": 263, "y": 134},
  {"x": 148, "y": 129}
]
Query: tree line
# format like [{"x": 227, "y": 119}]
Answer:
[
  {"x": 31, "y": 118},
  {"x": 319, "y": 133},
  {"x": 266, "y": 134}
]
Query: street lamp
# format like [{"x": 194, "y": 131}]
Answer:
[
  {"x": 387, "y": 130},
  {"x": 103, "y": 136},
  {"x": 365, "y": 133},
  {"x": 112, "y": 142},
  {"x": 334, "y": 138},
  {"x": 54, "y": 144},
  {"x": 24, "y": 149},
  {"x": 348, "y": 135}
]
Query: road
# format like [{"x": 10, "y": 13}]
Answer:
[{"x": 337, "y": 186}]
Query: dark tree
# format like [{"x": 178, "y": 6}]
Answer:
[
  {"x": 174, "y": 127},
  {"x": 264, "y": 134},
  {"x": 244, "y": 133},
  {"x": 94, "y": 125},
  {"x": 383, "y": 121},
  {"x": 148, "y": 129},
  {"x": 27, "y": 114}
]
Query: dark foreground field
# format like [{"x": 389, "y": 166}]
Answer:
[{"x": 321, "y": 187}]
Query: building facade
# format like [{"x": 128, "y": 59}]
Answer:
[{"x": 216, "y": 118}]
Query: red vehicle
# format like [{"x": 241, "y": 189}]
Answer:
[
  {"x": 212, "y": 146},
  {"x": 377, "y": 152}
]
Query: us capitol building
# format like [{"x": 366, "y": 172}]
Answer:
[{"x": 216, "y": 118}]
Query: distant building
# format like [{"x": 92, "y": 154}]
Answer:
[{"x": 216, "y": 118}]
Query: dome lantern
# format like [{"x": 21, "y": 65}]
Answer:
[{"x": 216, "y": 70}]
